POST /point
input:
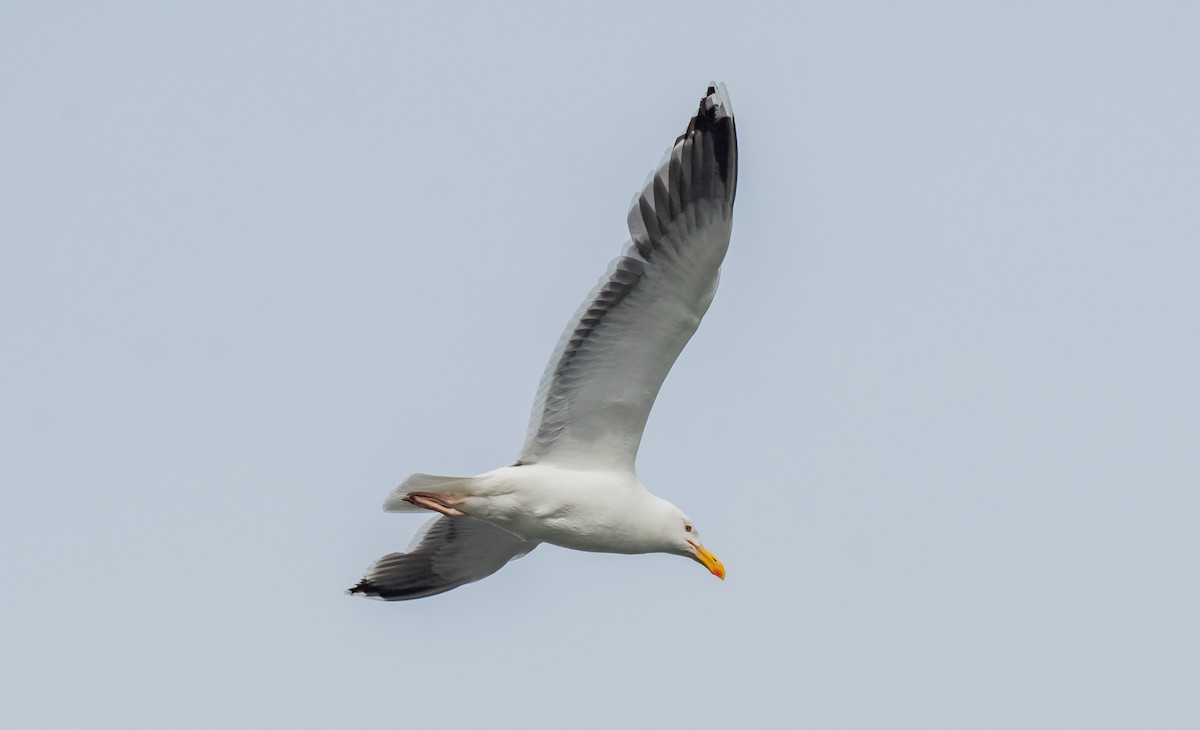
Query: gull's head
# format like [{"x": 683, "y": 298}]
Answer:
[{"x": 685, "y": 540}]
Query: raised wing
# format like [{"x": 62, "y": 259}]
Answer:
[
  {"x": 597, "y": 391},
  {"x": 448, "y": 552}
]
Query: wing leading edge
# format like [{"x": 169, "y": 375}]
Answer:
[{"x": 601, "y": 382}]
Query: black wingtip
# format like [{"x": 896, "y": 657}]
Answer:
[
  {"x": 364, "y": 586},
  {"x": 715, "y": 117}
]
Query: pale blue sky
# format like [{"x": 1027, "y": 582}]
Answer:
[{"x": 263, "y": 260}]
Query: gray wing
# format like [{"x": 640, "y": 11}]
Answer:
[
  {"x": 448, "y": 552},
  {"x": 603, "y": 377}
]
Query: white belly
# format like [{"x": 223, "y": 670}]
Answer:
[{"x": 581, "y": 510}]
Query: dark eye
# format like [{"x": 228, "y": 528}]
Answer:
[{"x": 687, "y": 528}]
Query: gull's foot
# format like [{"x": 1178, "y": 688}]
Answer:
[{"x": 445, "y": 503}]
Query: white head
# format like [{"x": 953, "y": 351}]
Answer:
[{"x": 682, "y": 538}]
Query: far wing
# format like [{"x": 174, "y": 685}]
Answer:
[
  {"x": 448, "y": 552},
  {"x": 601, "y": 382}
]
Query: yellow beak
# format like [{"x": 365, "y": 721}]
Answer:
[{"x": 708, "y": 560}]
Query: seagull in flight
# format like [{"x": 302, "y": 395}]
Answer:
[{"x": 574, "y": 483}]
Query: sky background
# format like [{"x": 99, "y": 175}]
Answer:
[{"x": 942, "y": 423}]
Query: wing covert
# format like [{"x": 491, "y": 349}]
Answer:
[{"x": 605, "y": 373}]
